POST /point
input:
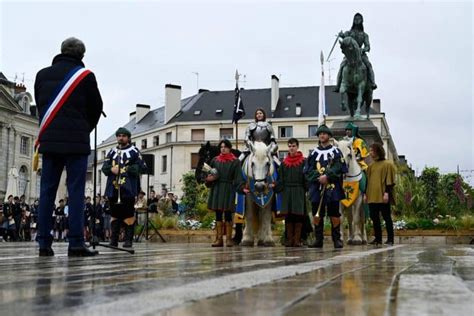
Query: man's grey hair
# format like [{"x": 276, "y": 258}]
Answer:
[{"x": 73, "y": 47}]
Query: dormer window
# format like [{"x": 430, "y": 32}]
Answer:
[
  {"x": 219, "y": 111},
  {"x": 197, "y": 112}
]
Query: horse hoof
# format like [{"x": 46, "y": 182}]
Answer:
[
  {"x": 349, "y": 242},
  {"x": 269, "y": 244},
  {"x": 357, "y": 242},
  {"x": 364, "y": 242},
  {"x": 260, "y": 243},
  {"x": 247, "y": 243}
]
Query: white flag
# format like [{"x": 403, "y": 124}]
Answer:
[{"x": 322, "y": 97}]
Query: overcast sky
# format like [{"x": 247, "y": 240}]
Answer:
[{"x": 421, "y": 52}]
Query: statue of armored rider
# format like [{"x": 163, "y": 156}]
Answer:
[
  {"x": 358, "y": 34},
  {"x": 262, "y": 131}
]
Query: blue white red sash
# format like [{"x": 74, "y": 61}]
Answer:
[{"x": 63, "y": 92}]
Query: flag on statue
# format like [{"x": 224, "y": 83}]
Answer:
[
  {"x": 239, "y": 111},
  {"x": 322, "y": 96}
]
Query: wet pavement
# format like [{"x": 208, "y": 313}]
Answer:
[{"x": 195, "y": 279}]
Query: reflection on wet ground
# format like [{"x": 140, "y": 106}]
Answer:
[{"x": 195, "y": 279}]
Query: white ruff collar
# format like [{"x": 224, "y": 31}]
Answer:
[{"x": 325, "y": 153}]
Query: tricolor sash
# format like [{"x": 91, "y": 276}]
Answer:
[{"x": 59, "y": 98}]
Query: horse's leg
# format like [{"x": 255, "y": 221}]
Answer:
[
  {"x": 344, "y": 98},
  {"x": 363, "y": 227},
  {"x": 260, "y": 233},
  {"x": 357, "y": 220},
  {"x": 350, "y": 222},
  {"x": 248, "y": 239},
  {"x": 359, "y": 98},
  {"x": 266, "y": 226}
]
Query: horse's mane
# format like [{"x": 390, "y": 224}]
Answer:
[{"x": 260, "y": 149}]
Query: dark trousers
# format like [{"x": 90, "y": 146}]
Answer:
[
  {"x": 375, "y": 210},
  {"x": 76, "y": 167}
]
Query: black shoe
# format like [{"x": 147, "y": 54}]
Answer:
[
  {"x": 46, "y": 252},
  {"x": 375, "y": 242},
  {"x": 81, "y": 252},
  {"x": 336, "y": 236},
  {"x": 389, "y": 243}
]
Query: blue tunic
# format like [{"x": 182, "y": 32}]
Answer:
[
  {"x": 131, "y": 165},
  {"x": 330, "y": 162}
]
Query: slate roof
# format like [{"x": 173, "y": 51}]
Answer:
[{"x": 207, "y": 102}]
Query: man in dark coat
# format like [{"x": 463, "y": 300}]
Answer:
[
  {"x": 324, "y": 170},
  {"x": 65, "y": 143}
]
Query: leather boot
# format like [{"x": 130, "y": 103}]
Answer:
[
  {"x": 129, "y": 232},
  {"x": 228, "y": 234},
  {"x": 297, "y": 235},
  {"x": 290, "y": 231},
  {"x": 115, "y": 232},
  {"x": 219, "y": 242},
  {"x": 319, "y": 234},
  {"x": 336, "y": 232}
]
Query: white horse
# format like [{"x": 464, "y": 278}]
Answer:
[
  {"x": 355, "y": 212},
  {"x": 258, "y": 168}
]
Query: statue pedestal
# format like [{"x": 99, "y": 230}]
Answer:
[{"x": 367, "y": 130}]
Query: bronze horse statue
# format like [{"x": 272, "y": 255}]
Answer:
[{"x": 355, "y": 89}]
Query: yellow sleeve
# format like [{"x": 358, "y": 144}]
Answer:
[{"x": 390, "y": 173}]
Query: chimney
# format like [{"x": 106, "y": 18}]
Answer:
[
  {"x": 275, "y": 95},
  {"x": 141, "y": 111},
  {"x": 172, "y": 101},
  {"x": 133, "y": 115},
  {"x": 376, "y": 105}
]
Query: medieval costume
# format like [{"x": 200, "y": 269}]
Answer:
[
  {"x": 125, "y": 186},
  {"x": 292, "y": 186},
  {"x": 381, "y": 180},
  {"x": 326, "y": 161},
  {"x": 222, "y": 194}
]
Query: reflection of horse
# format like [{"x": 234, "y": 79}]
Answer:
[
  {"x": 354, "y": 181},
  {"x": 206, "y": 153},
  {"x": 355, "y": 88},
  {"x": 258, "y": 168}
]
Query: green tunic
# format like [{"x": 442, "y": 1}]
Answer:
[
  {"x": 222, "y": 193},
  {"x": 292, "y": 186}
]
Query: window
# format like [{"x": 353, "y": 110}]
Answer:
[
  {"x": 282, "y": 154},
  {"x": 23, "y": 180},
  {"x": 285, "y": 131},
  {"x": 194, "y": 160},
  {"x": 156, "y": 140},
  {"x": 168, "y": 137},
  {"x": 103, "y": 154},
  {"x": 38, "y": 183},
  {"x": 312, "y": 129},
  {"x": 164, "y": 164},
  {"x": 226, "y": 133},
  {"x": 25, "y": 146},
  {"x": 197, "y": 135},
  {"x": 144, "y": 142}
]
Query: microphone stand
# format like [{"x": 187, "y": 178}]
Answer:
[{"x": 94, "y": 242}]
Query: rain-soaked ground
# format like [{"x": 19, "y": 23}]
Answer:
[{"x": 195, "y": 279}]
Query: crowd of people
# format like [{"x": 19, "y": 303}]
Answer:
[{"x": 19, "y": 220}]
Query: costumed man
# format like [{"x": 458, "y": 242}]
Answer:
[
  {"x": 224, "y": 179},
  {"x": 123, "y": 167},
  {"x": 324, "y": 170},
  {"x": 358, "y": 34},
  {"x": 292, "y": 184},
  {"x": 358, "y": 144}
]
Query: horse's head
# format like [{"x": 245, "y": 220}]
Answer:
[
  {"x": 206, "y": 153},
  {"x": 345, "y": 146},
  {"x": 350, "y": 49},
  {"x": 259, "y": 165}
]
